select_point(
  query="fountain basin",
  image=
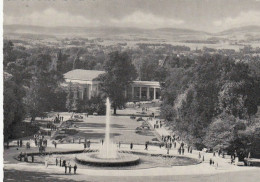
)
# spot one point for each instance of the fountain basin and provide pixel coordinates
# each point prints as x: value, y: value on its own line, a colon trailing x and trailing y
x: 93, y: 159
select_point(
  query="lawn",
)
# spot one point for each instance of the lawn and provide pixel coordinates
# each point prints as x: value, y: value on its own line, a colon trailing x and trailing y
x: 122, y: 129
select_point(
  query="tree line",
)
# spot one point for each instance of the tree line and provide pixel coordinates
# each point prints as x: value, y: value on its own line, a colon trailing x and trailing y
x: 211, y: 101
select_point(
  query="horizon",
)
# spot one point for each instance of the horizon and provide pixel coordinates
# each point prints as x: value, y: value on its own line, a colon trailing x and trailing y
x: 138, y: 28
x: 199, y: 15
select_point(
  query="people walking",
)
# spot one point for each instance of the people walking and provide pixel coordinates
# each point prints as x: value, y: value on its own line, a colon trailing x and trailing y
x: 55, y: 144
x: 65, y: 169
x: 131, y: 145
x: 70, y: 169
x: 146, y: 146
x: 75, y: 168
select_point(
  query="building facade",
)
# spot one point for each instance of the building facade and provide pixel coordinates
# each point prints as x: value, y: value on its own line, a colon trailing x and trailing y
x: 84, y: 82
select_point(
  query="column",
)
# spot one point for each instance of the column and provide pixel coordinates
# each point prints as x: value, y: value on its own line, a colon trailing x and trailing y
x: 148, y: 93
x: 132, y: 92
x: 140, y: 94
x: 90, y: 91
x: 82, y: 97
x: 154, y: 93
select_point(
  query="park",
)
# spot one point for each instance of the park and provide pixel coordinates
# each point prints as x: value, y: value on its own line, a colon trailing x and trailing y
x: 131, y: 91
x: 155, y: 161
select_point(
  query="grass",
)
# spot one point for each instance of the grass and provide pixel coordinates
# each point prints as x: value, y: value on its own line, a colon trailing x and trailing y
x: 122, y: 129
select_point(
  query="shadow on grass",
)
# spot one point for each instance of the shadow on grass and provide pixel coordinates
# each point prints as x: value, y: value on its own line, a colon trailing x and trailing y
x: 99, y: 125
x: 95, y: 135
x: 24, y: 176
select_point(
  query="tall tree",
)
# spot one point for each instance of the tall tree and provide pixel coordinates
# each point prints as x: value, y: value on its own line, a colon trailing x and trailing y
x: 14, y: 108
x: 120, y: 72
x: 43, y: 86
x: 70, y: 96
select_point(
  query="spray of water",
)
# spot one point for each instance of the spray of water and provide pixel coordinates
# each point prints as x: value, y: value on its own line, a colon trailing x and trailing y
x: 108, y: 150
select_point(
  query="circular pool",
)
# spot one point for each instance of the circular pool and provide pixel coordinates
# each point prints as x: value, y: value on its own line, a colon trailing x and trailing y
x: 93, y: 159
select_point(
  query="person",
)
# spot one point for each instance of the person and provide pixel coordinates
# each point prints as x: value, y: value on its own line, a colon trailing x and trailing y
x: 75, y: 168
x: 55, y: 144
x: 203, y: 158
x: 25, y: 157
x: 46, y: 163
x: 60, y: 162
x: 64, y: 163
x: 179, y: 151
x: 70, y: 169
x: 182, y: 144
x: 65, y: 168
x: 32, y: 158
x: 20, y: 156
x: 119, y: 145
x: 214, y: 154
x: 182, y: 150
x: 21, y: 143
x: 57, y: 161
x: 199, y: 155
x: 249, y: 155
x: 146, y: 145
x: 18, y: 143
x: 131, y: 145
x: 174, y: 144
x: 210, y: 161
x: 89, y: 144
x: 102, y: 141
x: 191, y: 150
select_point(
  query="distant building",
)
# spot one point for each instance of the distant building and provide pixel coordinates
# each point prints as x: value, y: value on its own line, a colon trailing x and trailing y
x: 84, y: 81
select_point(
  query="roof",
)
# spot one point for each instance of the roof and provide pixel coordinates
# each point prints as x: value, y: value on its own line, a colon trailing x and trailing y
x: 146, y: 83
x: 84, y: 75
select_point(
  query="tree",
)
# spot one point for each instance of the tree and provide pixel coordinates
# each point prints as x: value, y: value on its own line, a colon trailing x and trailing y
x: 76, y: 102
x: 69, y: 99
x: 120, y: 72
x: 96, y: 104
x: 14, y: 108
x: 43, y: 86
x: 8, y: 52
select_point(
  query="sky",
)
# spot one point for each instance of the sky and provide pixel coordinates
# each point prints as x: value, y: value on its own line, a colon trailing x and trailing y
x: 205, y: 15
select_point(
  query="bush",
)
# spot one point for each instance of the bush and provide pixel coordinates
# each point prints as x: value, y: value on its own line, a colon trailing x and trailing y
x: 95, y: 105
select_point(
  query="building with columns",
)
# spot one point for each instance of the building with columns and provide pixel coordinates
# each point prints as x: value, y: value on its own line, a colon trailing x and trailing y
x: 86, y: 85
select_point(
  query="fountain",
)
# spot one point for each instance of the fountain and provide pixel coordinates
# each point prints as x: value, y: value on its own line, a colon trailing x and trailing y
x: 109, y: 149
x: 108, y: 154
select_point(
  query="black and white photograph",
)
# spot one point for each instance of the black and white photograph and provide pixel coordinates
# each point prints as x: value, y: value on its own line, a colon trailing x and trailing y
x: 130, y: 90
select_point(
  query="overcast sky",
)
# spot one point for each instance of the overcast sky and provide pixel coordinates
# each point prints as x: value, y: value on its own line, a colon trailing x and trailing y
x: 206, y: 15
